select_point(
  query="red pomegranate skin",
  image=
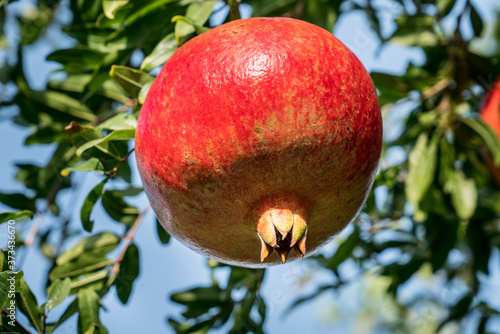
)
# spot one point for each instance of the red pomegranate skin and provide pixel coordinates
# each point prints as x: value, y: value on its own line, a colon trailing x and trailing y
x: 490, y: 114
x: 251, y: 112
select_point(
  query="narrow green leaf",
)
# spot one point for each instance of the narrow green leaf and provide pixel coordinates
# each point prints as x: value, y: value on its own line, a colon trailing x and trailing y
x: 123, y: 134
x: 60, y: 102
x: 445, y: 6
x: 46, y: 134
x: 80, y: 57
x: 88, y: 307
x: 18, y: 201
x: 476, y: 21
x: 415, y: 30
x: 463, y: 195
x: 58, y: 292
x: 91, y: 165
x: 81, y: 265
x: 129, y: 270
x: 162, y: 233
x: 17, y: 216
x: 110, y: 7
x: 9, y: 280
x: 28, y: 305
x: 89, y: 203
x: 70, y: 311
x: 78, y: 82
x: 96, y: 245
x: 81, y: 135
x: 421, y: 169
x: 121, y: 121
x: 161, y: 53
x: 185, y: 28
x: 118, y: 209
x: 197, y: 14
x: 144, y: 92
x: 446, y: 160
x: 488, y: 136
x: 130, y: 79
x: 95, y: 281
x: 209, y: 296
x: 129, y: 191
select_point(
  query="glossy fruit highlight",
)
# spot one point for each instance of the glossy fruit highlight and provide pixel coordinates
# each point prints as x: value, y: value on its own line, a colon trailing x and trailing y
x: 259, y: 137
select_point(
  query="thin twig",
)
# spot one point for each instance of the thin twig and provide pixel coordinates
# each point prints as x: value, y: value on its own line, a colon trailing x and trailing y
x: 439, y: 86
x: 112, y: 172
x: 128, y: 240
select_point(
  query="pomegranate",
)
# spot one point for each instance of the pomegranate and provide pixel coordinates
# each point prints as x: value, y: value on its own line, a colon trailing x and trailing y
x: 490, y: 114
x: 259, y: 136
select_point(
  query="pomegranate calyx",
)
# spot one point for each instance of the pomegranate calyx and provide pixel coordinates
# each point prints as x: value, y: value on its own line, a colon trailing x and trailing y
x: 282, y: 230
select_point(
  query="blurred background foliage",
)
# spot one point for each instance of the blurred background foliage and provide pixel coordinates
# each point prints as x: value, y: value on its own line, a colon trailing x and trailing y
x: 434, y: 211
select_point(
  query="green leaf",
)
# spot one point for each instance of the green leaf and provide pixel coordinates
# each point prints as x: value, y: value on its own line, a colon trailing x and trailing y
x: 203, y: 296
x: 60, y: 102
x: 81, y: 135
x: 118, y: 209
x: 421, y: 169
x: 88, y: 307
x: 7, y: 281
x: 344, y: 251
x: 415, y: 30
x: 123, y: 134
x: 129, y: 270
x: 76, y: 60
x: 95, y: 280
x: 163, y: 235
x: 18, y: 201
x: 121, y: 121
x: 144, y: 93
x: 442, y: 235
x: 476, y: 21
x: 479, y: 242
x: 28, y: 305
x: 70, y: 311
x: 130, y: 79
x: 91, y: 165
x: 96, y: 245
x: 161, y: 53
x: 445, y: 6
x: 400, y: 273
x: 391, y: 88
x: 17, y: 216
x: 463, y: 195
x: 89, y: 204
x: 79, y: 266
x: 129, y: 191
x: 446, y: 160
x: 58, y: 292
x: 110, y: 7
x: 46, y: 134
x: 197, y: 14
x: 78, y: 81
x: 487, y: 134
x: 185, y: 28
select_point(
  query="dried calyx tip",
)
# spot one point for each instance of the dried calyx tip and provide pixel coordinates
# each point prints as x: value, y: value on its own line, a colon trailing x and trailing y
x: 282, y: 230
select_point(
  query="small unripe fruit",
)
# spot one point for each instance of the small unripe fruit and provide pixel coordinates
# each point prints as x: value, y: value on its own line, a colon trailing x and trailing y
x: 259, y: 137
